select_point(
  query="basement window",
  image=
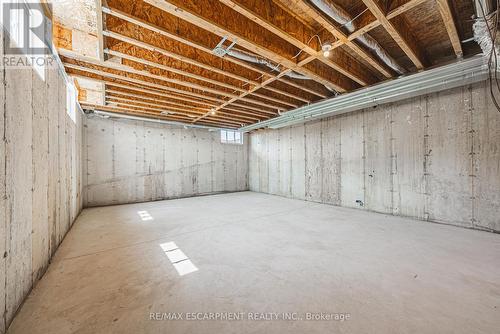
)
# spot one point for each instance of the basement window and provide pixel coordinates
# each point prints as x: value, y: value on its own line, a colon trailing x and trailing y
x: 231, y: 137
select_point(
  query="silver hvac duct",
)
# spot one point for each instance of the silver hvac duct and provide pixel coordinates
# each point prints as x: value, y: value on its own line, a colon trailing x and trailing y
x: 263, y: 61
x: 342, y: 17
x: 107, y: 114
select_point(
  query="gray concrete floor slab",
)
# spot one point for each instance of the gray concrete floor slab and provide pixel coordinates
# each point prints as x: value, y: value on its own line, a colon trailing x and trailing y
x: 260, y: 256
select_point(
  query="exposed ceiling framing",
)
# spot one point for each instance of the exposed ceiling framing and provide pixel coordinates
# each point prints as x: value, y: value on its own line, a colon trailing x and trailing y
x: 155, y: 57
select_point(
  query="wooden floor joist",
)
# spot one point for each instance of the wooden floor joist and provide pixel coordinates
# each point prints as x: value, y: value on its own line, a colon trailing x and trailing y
x: 244, y: 109
x: 400, y: 33
x: 100, y: 28
x: 246, y: 32
x: 161, y: 54
x: 155, y: 115
x: 126, y: 70
x: 282, y: 102
x: 376, y: 23
x: 445, y: 10
x: 120, y: 96
x: 185, y: 40
x: 172, y: 69
x: 279, y: 22
x: 174, y: 99
x: 189, y: 113
x: 87, y: 70
x: 343, y: 39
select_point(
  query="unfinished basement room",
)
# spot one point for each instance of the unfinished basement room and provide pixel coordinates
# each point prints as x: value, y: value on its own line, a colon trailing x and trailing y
x: 250, y: 166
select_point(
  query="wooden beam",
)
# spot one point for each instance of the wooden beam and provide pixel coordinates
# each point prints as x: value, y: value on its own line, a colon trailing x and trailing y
x: 139, y: 81
x: 149, y: 47
x: 173, y: 99
x: 218, y: 117
x: 342, y: 38
x: 224, y: 105
x: 278, y: 104
x: 107, y: 108
x: 127, y: 69
x: 100, y: 29
x: 177, y: 106
x: 155, y: 103
x: 171, y: 69
x: 197, y: 45
x: 404, y: 8
x: 279, y: 22
x: 152, y: 115
x: 399, y: 32
x: 445, y: 10
x: 261, y: 113
x: 215, y: 18
x: 161, y: 108
x: 296, y: 85
x: 167, y: 104
x: 376, y: 23
x: 250, y: 113
x: 162, y: 90
x: 173, y: 55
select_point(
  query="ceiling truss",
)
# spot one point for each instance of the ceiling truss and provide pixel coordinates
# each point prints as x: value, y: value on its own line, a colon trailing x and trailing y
x: 166, y: 67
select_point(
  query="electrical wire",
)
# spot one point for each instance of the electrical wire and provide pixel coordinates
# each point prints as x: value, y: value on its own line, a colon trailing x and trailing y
x: 493, y: 57
x: 351, y: 21
x: 309, y: 41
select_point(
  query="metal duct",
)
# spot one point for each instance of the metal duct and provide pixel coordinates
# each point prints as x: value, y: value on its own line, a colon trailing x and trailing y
x: 263, y: 61
x: 457, y: 74
x: 108, y: 114
x: 342, y: 17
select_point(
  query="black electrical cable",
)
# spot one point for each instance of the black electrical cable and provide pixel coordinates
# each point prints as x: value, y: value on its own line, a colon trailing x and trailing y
x: 495, y: 38
x: 493, y: 54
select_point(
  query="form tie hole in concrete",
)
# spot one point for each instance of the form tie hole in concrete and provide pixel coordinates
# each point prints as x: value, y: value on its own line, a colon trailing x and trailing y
x: 179, y: 260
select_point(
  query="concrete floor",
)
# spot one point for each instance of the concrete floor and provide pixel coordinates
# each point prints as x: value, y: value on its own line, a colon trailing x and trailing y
x: 262, y: 253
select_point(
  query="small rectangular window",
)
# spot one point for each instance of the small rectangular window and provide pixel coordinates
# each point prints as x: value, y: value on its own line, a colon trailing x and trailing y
x: 231, y: 137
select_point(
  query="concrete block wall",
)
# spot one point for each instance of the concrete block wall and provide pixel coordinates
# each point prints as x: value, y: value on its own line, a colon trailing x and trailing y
x: 129, y: 161
x: 434, y: 157
x: 40, y: 178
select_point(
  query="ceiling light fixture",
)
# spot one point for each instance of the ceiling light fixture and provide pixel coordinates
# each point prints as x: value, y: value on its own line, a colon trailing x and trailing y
x: 213, y: 112
x: 327, y: 47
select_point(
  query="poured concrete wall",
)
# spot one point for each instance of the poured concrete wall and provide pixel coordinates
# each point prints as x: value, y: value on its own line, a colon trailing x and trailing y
x: 40, y: 178
x: 434, y: 157
x: 130, y: 161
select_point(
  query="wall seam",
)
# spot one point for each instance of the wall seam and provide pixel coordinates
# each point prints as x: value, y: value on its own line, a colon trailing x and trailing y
x: 306, y: 178
x: 339, y: 164
x: 393, y: 159
x: 364, y: 155
x: 279, y: 161
x: 322, y: 161
x: 212, y: 162
x: 4, y: 87
x: 426, y: 159
x: 33, y: 180
x: 472, y: 158
x: 267, y: 160
x: 290, y: 176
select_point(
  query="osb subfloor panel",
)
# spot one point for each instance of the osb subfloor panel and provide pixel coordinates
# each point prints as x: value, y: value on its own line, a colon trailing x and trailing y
x: 261, y: 253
